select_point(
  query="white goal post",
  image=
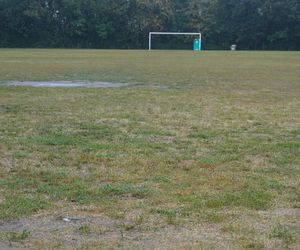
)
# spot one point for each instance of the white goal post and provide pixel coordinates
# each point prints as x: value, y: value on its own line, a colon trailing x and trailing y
x: 173, y: 33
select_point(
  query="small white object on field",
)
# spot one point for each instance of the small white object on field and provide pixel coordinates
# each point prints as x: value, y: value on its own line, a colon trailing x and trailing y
x: 66, y: 219
x: 233, y: 47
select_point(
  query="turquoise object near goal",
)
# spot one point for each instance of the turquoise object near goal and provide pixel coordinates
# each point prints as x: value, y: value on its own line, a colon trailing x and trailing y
x: 197, y: 45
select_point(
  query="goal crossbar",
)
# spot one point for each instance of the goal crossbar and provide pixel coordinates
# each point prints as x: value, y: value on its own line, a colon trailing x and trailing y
x: 172, y: 33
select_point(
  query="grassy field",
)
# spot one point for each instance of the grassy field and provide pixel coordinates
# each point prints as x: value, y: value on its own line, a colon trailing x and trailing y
x: 202, y: 152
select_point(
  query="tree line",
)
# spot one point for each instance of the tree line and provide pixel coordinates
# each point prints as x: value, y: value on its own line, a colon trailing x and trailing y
x: 251, y: 24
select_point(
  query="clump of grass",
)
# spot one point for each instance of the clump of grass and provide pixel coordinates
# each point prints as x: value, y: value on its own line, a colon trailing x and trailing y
x: 10, y: 108
x: 135, y: 223
x: 283, y: 233
x: 169, y: 214
x: 128, y: 188
x: 57, y: 186
x: 84, y: 230
x: 18, y: 237
x: 20, y: 154
x: 212, y: 216
x: 20, y: 205
x: 206, y: 136
x: 255, y: 245
x: 98, y: 131
x: 259, y: 182
x: 165, y: 212
x: 257, y: 200
x: 160, y: 179
x: 55, y: 139
x: 207, y: 160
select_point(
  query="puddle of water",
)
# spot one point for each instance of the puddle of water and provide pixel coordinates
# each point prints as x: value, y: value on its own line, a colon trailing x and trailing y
x: 68, y: 84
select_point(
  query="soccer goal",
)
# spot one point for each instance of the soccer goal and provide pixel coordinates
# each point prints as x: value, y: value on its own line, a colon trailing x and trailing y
x: 197, y: 45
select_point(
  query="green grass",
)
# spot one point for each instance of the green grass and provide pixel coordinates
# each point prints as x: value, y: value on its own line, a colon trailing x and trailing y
x: 15, y: 237
x: 17, y: 205
x: 84, y: 230
x: 201, y: 142
x: 284, y: 233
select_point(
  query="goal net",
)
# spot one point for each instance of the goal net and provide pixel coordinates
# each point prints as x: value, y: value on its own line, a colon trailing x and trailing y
x: 197, y: 43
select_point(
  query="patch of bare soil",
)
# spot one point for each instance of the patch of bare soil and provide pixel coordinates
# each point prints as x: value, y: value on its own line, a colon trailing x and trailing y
x: 65, y: 230
x: 97, y: 231
x: 74, y: 230
x: 281, y: 212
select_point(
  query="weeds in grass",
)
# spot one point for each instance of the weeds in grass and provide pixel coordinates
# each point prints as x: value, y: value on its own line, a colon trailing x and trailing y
x: 135, y: 223
x: 165, y: 212
x: 84, y: 230
x: 249, y: 199
x: 21, y: 205
x: 18, y: 237
x: 136, y: 191
x: 169, y: 214
x: 283, y: 233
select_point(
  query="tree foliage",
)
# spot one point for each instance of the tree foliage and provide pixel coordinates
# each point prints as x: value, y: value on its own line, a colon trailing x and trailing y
x: 251, y: 24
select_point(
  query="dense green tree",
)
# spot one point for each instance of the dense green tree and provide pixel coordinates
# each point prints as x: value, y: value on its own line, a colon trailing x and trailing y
x: 251, y: 24
x: 146, y: 16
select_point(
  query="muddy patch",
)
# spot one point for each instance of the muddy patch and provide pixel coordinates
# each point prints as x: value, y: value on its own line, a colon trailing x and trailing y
x: 68, y: 230
x: 68, y: 84
x: 98, y: 231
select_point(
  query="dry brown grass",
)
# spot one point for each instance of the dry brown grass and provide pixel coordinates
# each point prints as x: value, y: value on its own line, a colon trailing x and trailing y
x: 202, y: 153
